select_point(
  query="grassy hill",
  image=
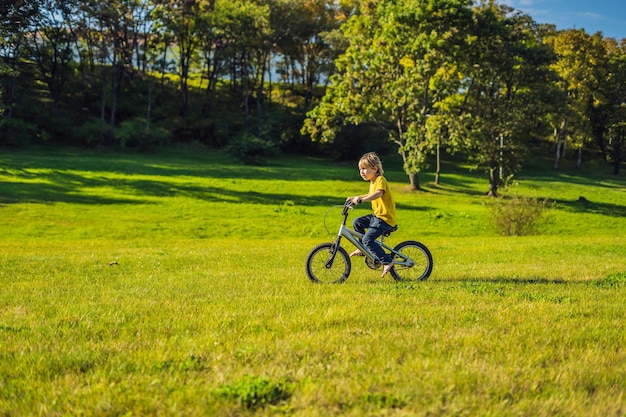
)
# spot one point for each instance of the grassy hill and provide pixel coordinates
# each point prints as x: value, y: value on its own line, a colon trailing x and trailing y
x: 172, y: 283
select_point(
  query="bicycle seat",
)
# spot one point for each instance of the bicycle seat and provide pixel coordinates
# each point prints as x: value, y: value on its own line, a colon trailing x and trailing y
x: 390, y: 231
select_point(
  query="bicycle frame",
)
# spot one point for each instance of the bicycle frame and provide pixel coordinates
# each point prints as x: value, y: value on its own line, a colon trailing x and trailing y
x: 354, y: 237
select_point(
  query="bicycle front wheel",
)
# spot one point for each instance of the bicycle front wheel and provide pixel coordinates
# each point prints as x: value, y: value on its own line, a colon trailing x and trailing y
x: 413, y: 262
x: 319, y: 271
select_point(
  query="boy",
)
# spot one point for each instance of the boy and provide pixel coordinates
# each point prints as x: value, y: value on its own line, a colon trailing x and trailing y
x: 384, y: 217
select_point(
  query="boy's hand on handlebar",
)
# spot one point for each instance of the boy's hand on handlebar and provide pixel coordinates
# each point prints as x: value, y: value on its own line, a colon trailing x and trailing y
x: 354, y: 200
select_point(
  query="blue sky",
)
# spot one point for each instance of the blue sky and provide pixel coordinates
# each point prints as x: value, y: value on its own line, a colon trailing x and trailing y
x: 606, y: 16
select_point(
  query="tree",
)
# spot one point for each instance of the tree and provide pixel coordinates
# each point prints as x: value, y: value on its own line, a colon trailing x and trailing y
x: 180, y: 18
x: 580, y: 68
x: 109, y: 49
x: 244, y: 35
x: 302, y: 42
x: 614, y: 87
x: 212, y: 42
x: 401, y: 61
x: 51, y: 45
x: 507, y: 74
x: 15, y: 20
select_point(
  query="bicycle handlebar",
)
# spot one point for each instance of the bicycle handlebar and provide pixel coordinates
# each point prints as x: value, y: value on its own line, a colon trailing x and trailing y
x: 346, y: 207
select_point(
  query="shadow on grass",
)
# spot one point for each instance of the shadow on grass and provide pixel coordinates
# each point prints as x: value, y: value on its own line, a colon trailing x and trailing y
x: 508, y: 281
x: 89, y: 177
x: 55, y: 176
x: 69, y: 187
x: 454, y: 186
x: 202, y: 164
x: 590, y: 179
x: 46, y: 193
x: 586, y: 206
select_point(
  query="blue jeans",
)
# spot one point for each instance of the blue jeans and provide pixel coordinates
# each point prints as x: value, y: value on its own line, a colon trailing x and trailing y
x: 375, y: 227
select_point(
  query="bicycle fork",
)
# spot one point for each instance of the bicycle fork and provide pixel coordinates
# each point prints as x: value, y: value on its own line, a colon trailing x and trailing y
x: 329, y: 263
x: 348, y: 234
x: 341, y: 233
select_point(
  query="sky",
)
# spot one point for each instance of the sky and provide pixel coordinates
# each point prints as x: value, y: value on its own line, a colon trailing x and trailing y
x: 606, y: 16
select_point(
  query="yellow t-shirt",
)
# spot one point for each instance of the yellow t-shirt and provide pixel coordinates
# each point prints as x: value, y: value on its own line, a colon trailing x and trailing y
x: 384, y: 207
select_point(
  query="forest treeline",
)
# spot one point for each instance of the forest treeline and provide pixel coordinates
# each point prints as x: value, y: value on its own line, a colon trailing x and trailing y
x: 331, y: 76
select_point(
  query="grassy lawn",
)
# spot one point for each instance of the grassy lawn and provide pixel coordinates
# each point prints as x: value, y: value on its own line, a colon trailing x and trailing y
x: 173, y: 283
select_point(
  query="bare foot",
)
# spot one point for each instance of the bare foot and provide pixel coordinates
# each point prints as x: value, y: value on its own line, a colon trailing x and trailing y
x: 387, y: 268
x: 356, y: 253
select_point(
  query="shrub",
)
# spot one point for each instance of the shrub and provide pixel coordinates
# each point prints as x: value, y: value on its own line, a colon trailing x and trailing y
x: 18, y: 132
x: 133, y: 133
x: 516, y: 215
x: 91, y: 132
x: 250, y: 148
x: 254, y: 392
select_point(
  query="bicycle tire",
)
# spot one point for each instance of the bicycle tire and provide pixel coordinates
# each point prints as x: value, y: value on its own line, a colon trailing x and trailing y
x: 422, y: 257
x: 316, y: 268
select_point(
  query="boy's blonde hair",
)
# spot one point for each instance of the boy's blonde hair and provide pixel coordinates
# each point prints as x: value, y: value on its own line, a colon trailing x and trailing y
x: 372, y: 160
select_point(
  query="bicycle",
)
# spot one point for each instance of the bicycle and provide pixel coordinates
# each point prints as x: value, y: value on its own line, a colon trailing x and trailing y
x: 330, y: 263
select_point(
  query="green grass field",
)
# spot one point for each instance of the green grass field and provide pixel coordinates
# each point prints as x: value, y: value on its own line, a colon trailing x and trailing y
x: 173, y: 283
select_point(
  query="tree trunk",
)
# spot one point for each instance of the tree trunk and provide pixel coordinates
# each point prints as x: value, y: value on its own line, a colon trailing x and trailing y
x: 184, y: 87
x: 579, y: 163
x: 246, y: 95
x: 617, y: 150
x: 269, y: 75
x: 560, y: 133
x: 9, y: 108
x: 259, y: 92
x: 493, y: 183
x: 164, y: 68
x: 103, y: 104
x: 415, y: 181
x: 149, y: 109
x: 12, y: 87
x: 437, y: 174
x: 111, y: 133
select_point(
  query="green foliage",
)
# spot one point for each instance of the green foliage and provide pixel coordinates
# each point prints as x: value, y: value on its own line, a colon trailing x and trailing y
x: 18, y: 132
x: 91, y: 131
x: 134, y: 133
x: 517, y: 215
x: 401, y: 61
x: 251, y: 148
x: 617, y: 280
x: 253, y: 392
x: 507, y: 73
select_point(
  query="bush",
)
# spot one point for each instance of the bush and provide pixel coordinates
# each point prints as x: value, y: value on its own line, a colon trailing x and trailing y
x: 250, y: 148
x: 18, y: 132
x: 91, y: 132
x: 133, y: 133
x: 516, y: 215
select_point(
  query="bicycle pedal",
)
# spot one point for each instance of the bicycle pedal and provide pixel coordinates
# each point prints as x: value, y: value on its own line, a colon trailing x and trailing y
x: 372, y: 264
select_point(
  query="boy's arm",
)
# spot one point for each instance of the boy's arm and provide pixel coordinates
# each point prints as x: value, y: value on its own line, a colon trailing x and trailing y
x: 367, y: 197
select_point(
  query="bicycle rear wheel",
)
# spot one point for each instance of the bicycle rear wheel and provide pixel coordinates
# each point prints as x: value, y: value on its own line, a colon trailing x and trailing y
x: 319, y: 272
x: 422, y: 262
